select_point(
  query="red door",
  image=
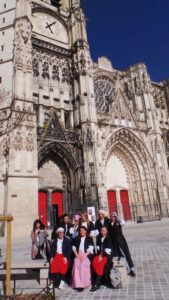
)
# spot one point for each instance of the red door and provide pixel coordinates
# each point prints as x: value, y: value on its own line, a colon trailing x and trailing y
x: 42, y: 207
x: 57, y: 200
x: 125, y: 204
x: 112, y: 202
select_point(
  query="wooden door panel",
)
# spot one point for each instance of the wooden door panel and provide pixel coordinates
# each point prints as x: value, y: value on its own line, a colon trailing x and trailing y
x: 125, y: 204
x: 42, y: 207
x: 57, y: 200
x: 112, y: 202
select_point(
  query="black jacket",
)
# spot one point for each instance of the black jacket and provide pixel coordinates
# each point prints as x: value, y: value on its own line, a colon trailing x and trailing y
x: 88, y: 242
x: 98, y: 224
x: 115, y: 230
x: 119, y: 243
x: 69, y: 225
x: 66, y: 249
x: 90, y: 226
x: 101, y: 246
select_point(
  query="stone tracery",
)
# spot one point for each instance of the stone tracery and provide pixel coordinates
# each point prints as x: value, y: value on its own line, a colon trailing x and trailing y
x: 104, y: 89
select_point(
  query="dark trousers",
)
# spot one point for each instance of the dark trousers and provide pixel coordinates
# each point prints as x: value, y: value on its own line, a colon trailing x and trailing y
x: 105, y: 279
x: 56, y: 278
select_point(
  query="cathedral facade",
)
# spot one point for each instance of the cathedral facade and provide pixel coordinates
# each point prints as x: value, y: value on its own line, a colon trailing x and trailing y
x: 73, y: 133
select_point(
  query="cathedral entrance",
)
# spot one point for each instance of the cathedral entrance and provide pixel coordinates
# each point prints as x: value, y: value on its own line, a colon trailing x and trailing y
x: 128, y: 168
x: 57, y: 177
x: 53, y: 191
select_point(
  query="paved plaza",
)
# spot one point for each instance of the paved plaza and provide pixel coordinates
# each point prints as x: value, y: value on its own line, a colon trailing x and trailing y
x: 149, y: 246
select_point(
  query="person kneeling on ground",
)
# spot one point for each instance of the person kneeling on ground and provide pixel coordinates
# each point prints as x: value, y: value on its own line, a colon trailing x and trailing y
x: 102, y: 262
x: 60, y: 254
x: 83, y: 249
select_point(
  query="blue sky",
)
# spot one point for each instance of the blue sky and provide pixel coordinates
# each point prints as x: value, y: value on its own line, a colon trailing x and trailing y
x: 130, y: 31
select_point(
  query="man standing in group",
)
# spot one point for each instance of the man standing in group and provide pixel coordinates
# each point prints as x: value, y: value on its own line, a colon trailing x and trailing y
x: 66, y: 225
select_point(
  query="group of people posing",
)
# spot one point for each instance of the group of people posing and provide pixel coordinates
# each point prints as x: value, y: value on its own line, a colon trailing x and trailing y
x: 81, y: 254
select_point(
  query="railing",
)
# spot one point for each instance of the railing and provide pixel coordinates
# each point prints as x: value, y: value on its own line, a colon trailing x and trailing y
x: 138, y: 213
x: 8, y: 219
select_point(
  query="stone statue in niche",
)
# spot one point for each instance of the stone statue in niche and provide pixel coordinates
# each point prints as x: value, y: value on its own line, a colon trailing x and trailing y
x: 82, y: 63
x: 55, y: 72
x: 137, y: 84
x: 129, y: 89
x: 35, y: 67
x: 45, y: 70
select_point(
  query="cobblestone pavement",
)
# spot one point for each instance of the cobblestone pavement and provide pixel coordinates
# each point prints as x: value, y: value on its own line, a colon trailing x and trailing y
x: 149, y: 246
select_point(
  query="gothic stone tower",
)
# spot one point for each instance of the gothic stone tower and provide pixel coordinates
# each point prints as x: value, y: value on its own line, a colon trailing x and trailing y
x: 50, y: 165
x: 76, y: 133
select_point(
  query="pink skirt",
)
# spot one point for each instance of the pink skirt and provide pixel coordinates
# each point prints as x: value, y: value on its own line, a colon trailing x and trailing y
x: 81, y: 275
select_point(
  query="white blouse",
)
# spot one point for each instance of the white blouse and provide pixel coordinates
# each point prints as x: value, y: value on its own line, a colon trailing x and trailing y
x: 59, y: 246
x: 102, y: 221
x: 81, y: 247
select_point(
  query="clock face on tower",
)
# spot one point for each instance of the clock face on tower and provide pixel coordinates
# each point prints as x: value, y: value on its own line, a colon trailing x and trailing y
x: 50, y: 27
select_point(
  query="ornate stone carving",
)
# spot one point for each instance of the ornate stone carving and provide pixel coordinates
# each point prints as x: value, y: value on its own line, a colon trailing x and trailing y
x: 76, y: 16
x: 50, y: 66
x: 159, y: 98
x: 92, y: 174
x: 18, y: 140
x: 137, y: 84
x: 54, y: 50
x: 55, y: 72
x: 65, y: 70
x: 23, y: 46
x: 29, y: 145
x: 35, y: 67
x: 129, y: 88
x: 140, y: 83
x: 45, y: 70
x: 5, y: 144
x: 146, y: 83
x: 82, y: 63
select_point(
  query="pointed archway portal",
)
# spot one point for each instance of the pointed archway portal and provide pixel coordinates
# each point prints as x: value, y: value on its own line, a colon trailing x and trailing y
x: 129, y: 166
x: 58, y: 162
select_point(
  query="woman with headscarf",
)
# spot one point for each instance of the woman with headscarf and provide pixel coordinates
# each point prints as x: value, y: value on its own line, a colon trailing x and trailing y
x: 60, y: 258
x: 120, y: 247
x: 83, y: 250
x: 40, y: 243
